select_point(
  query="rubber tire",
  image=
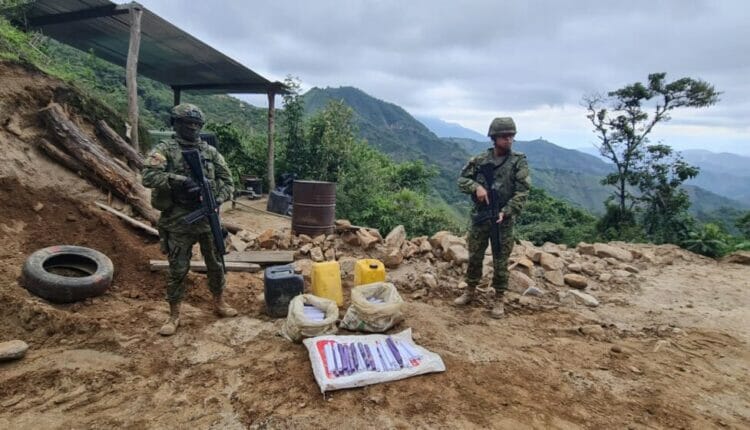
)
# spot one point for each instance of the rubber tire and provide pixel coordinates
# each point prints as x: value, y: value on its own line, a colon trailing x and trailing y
x: 64, y: 289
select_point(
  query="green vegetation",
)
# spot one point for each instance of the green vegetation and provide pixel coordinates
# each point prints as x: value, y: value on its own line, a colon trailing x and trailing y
x: 546, y: 219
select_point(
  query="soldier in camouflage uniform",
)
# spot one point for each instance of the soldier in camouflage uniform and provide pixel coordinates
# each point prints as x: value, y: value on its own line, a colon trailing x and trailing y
x: 175, y: 193
x: 511, y: 182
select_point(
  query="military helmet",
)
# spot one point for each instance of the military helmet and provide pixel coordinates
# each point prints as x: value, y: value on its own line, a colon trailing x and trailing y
x: 502, y: 125
x: 187, y: 111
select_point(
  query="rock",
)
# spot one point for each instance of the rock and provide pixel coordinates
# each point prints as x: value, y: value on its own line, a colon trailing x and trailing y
x: 316, y: 254
x: 590, y: 269
x: 576, y: 281
x: 419, y: 294
x: 246, y: 236
x: 575, y: 267
x: 533, y: 291
x: 605, y: 277
x: 375, y: 233
x: 71, y: 218
x: 603, y: 250
x: 305, y: 239
x: 534, y: 254
x: 347, y: 265
x: 267, y: 239
x: 526, y: 262
x: 621, y: 273
x: 330, y: 254
x: 565, y: 298
x: 552, y: 248
x: 38, y: 206
x: 584, y: 248
x: 305, y: 249
x: 593, y: 330
x: 13, y: 350
x: 450, y: 240
x: 437, y: 239
x: 429, y: 280
x: 587, y: 299
x: 409, y: 249
x: 616, y: 348
x: 457, y: 253
x: 393, y: 258
x: 519, y: 282
x: 555, y: 277
x: 237, y: 243
x: 550, y: 262
x: 396, y: 237
x: 319, y: 239
x: 350, y: 238
x: 343, y: 223
x: 425, y: 246
x: 629, y: 268
x: 739, y: 257
x: 366, y: 238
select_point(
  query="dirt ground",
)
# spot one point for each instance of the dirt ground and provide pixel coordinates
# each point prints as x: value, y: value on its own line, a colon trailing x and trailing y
x: 669, y: 351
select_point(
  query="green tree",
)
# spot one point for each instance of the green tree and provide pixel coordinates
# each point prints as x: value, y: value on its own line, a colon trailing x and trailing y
x: 743, y: 223
x: 622, y: 124
x: 665, y: 204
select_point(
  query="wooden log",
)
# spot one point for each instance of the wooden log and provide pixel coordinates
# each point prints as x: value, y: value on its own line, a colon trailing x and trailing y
x: 134, y: 222
x: 200, y: 266
x: 118, y: 145
x: 94, y: 158
x: 131, y: 71
x: 69, y: 162
x: 261, y: 257
x: 271, y: 112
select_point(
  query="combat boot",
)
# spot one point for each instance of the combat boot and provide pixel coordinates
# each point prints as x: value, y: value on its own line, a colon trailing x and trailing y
x: 170, y: 327
x: 465, y: 298
x: 222, y: 309
x: 498, y: 309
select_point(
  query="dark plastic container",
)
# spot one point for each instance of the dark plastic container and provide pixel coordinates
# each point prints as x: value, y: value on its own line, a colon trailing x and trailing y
x: 281, y: 286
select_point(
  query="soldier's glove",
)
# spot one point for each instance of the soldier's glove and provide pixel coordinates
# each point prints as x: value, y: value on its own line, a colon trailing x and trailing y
x: 190, y: 190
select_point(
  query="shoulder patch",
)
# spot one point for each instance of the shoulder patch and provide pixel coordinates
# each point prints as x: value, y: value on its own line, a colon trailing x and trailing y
x: 155, y: 159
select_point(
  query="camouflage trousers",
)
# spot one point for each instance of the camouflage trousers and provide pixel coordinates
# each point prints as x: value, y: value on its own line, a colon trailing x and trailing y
x: 478, y: 240
x: 180, y: 251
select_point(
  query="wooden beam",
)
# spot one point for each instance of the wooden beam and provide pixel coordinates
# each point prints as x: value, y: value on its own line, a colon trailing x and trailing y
x: 271, y: 114
x: 200, y: 266
x: 177, y: 95
x: 260, y: 257
x: 134, y: 222
x: 118, y: 145
x: 78, y: 15
x: 131, y: 71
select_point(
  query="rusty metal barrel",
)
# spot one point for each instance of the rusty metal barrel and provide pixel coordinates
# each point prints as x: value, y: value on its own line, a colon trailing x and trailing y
x: 313, y: 207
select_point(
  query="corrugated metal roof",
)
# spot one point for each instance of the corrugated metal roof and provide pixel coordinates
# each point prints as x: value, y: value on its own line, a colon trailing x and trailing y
x: 167, y: 54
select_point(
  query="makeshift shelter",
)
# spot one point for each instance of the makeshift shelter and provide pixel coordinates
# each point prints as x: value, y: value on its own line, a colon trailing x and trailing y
x: 133, y: 37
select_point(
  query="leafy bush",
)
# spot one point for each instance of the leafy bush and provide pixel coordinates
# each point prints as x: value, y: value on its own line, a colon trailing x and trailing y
x: 546, y: 219
x: 710, y: 241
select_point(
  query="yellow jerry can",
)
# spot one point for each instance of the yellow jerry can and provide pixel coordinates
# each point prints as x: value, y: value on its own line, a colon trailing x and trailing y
x: 326, y: 281
x: 368, y: 271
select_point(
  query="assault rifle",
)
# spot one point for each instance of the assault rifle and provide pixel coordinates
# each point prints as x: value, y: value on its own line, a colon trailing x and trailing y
x: 490, y: 215
x: 209, y: 208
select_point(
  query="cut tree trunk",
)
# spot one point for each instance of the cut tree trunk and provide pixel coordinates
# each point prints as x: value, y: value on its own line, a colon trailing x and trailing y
x: 94, y: 158
x: 118, y: 145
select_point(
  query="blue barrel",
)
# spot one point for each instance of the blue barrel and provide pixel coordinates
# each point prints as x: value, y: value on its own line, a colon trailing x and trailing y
x: 281, y: 286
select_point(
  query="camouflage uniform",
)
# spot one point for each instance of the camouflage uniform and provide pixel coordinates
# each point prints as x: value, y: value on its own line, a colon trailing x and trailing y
x: 512, y: 184
x: 164, y: 170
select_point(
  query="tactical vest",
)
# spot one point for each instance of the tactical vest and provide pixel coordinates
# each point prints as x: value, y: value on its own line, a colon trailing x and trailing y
x: 162, y: 198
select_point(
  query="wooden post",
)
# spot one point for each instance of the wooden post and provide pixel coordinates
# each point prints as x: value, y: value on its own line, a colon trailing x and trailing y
x: 177, y: 94
x: 131, y: 71
x: 271, y: 113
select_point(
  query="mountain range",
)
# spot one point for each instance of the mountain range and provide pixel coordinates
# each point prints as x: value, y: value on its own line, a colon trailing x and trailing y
x: 565, y: 173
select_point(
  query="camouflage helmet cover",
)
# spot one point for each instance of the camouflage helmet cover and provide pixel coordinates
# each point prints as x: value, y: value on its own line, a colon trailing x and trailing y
x: 502, y: 125
x: 187, y: 111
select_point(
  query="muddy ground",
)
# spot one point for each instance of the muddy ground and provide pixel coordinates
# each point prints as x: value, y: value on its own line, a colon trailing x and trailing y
x: 672, y: 354
x: 669, y: 351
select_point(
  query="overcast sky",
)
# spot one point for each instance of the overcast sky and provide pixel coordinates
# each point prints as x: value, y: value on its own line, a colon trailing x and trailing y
x: 469, y: 61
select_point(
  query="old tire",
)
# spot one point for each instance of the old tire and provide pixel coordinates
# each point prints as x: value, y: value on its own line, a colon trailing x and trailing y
x: 96, y: 268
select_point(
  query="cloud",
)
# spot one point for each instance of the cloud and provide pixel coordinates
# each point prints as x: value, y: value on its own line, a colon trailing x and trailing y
x: 468, y: 61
